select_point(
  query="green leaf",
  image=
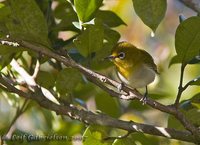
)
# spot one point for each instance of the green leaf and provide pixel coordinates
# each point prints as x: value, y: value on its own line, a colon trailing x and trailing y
x: 91, y: 40
x: 195, y: 100
x: 27, y: 22
x: 86, y: 9
x: 110, y: 18
x: 187, y: 38
x: 174, y: 60
x: 4, y: 11
x: 193, y: 116
x: 67, y: 80
x: 67, y: 15
x: 7, y: 53
x: 45, y: 79
x: 151, y: 12
x: 125, y: 141
x: 111, y: 37
x: 109, y: 106
x: 94, y: 135
x: 174, y: 123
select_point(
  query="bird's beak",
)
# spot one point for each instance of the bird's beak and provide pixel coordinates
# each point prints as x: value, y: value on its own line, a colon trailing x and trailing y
x: 110, y: 57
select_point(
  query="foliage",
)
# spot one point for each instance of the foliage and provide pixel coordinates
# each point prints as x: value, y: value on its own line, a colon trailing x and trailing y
x: 92, y: 32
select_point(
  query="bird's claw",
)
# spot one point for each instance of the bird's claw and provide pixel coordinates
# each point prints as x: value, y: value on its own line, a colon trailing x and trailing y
x: 144, y: 100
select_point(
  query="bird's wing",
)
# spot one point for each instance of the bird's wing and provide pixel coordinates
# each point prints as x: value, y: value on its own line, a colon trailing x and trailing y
x: 148, y: 60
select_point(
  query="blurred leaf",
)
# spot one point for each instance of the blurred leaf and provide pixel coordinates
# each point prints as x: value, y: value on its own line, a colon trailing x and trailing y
x: 13, y: 99
x: 190, y: 108
x: 174, y: 123
x: 86, y: 9
x: 151, y: 12
x: 193, y: 116
x: 187, y: 39
x: 27, y: 22
x: 94, y: 135
x: 124, y: 141
x: 85, y: 91
x: 67, y: 79
x: 45, y: 79
x: 109, y: 104
x: 143, y: 139
x: 110, y: 18
x: 91, y: 39
x: 4, y: 11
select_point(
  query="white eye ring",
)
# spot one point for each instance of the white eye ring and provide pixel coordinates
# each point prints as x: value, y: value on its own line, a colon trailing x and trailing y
x: 121, y: 55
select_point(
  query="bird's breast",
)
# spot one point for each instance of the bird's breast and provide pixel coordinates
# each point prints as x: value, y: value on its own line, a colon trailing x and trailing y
x: 139, y: 77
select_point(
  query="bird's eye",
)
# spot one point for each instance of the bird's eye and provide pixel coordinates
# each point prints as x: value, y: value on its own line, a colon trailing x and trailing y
x: 121, y: 55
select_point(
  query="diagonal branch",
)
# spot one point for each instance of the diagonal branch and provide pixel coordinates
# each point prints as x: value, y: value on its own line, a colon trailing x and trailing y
x: 102, y: 119
x: 95, y: 77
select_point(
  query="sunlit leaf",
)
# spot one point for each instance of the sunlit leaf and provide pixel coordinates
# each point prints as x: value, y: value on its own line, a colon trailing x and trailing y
x: 151, y: 12
x: 86, y: 8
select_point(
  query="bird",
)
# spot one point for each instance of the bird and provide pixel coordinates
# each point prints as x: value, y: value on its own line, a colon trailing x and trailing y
x: 135, y: 67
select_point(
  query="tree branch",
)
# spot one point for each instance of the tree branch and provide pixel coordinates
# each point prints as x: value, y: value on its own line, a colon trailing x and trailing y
x: 102, y: 119
x: 95, y: 78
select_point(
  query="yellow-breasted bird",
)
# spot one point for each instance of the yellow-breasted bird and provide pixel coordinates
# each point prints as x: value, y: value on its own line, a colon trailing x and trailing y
x: 135, y: 67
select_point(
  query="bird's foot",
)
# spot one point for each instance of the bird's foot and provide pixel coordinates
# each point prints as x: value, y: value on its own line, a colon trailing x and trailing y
x: 144, y: 99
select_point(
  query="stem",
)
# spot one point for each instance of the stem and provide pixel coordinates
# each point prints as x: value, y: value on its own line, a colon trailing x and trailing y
x: 180, y: 88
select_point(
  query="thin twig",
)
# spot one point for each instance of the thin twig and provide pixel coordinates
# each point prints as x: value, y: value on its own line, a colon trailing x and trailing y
x: 180, y: 88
